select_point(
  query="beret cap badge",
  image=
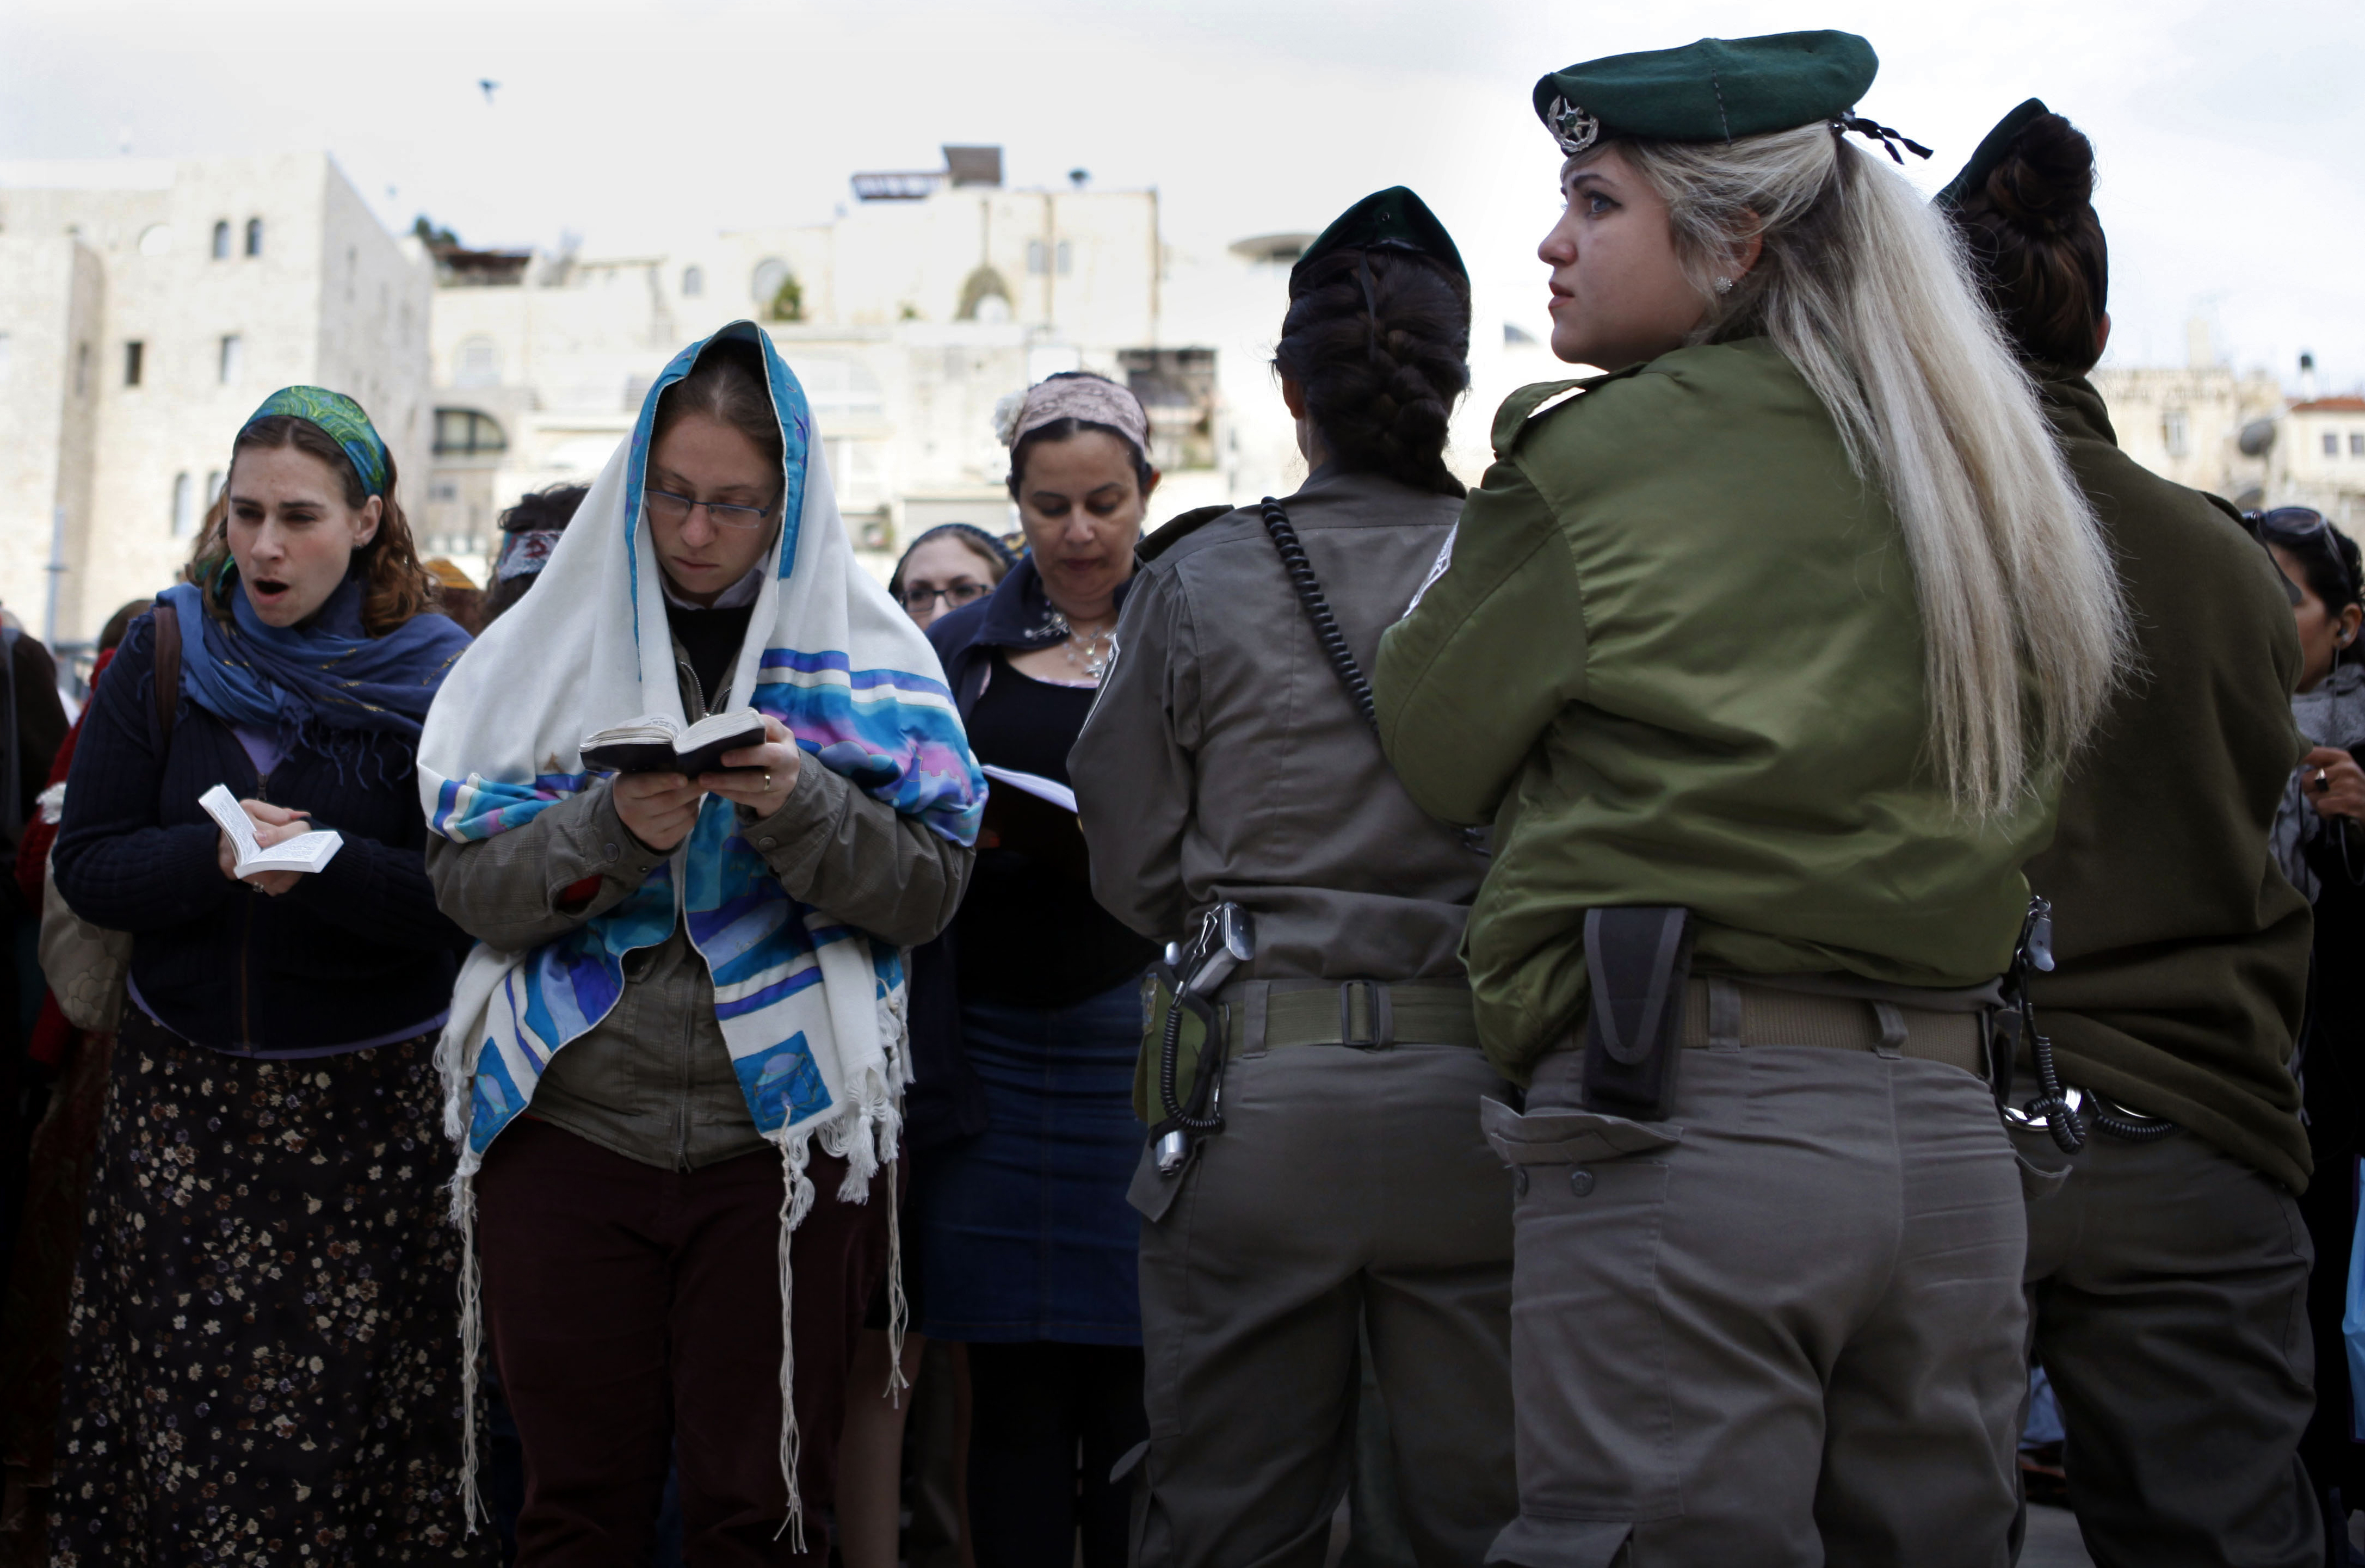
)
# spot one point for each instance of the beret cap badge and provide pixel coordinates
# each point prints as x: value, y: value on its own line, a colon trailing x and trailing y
x: 1574, y: 129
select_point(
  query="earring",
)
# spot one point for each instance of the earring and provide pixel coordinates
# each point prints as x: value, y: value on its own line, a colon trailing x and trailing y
x: 1724, y: 285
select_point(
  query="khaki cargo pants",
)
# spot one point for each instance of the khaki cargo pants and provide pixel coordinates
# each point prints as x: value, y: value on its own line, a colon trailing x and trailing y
x: 1784, y: 1327
x: 1346, y: 1182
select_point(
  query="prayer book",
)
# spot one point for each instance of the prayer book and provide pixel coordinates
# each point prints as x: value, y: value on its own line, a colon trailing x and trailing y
x: 305, y: 852
x: 1037, y: 817
x: 1035, y: 784
x: 657, y: 745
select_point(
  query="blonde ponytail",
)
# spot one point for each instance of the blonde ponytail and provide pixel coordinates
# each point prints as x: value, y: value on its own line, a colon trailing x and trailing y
x: 1868, y: 293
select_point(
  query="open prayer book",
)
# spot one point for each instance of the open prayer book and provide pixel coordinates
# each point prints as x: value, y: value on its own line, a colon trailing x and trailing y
x: 305, y: 852
x: 658, y: 744
x: 1037, y: 817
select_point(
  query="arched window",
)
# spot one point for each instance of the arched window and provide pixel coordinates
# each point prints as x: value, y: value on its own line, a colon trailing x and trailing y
x: 184, y: 506
x: 463, y: 433
x: 255, y: 236
x: 693, y: 282
x: 984, y: 297
x: 221, y: 241
x: 770, y: 273
x: 477, y: 363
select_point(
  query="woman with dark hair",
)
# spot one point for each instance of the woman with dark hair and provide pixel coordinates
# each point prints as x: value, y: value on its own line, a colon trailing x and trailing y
x: 950, y: 565
x: 261, y: 1360
x: 1338, y: 1178
x: 1031, y: 1005
x: 530, y: 531
x: 2166, y: 1277
x: 675, y: 1062
x: 2320, y: 840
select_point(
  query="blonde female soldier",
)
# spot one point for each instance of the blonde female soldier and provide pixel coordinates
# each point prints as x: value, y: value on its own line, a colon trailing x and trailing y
x: 1762, y: 654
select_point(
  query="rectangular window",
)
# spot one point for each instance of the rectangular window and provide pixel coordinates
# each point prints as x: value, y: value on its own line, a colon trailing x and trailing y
x: 82, y: 370
x: 1038, y: 258
x: 134, y: 353
x: 2357, y: 444
x: 1067, y: 255
x: 185, y: 507
x: 2175, y: 430
x: 233, y: 358
x: 213, y: 486
x: 2331, y: 445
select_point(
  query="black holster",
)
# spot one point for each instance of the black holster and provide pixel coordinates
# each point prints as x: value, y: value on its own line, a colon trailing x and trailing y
x: 1638, y: 959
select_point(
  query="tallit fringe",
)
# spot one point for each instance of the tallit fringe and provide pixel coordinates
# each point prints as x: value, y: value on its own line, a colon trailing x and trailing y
x: 471, y: 1345
x: 795, y: 1201
x: 899, y: 1311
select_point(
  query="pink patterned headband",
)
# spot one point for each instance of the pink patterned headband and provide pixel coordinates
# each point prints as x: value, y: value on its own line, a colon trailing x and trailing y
x: 1094, y: 399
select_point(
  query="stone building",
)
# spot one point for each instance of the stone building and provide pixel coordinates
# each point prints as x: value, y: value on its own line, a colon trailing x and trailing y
x: 905, y: 319
x: 146, y: 306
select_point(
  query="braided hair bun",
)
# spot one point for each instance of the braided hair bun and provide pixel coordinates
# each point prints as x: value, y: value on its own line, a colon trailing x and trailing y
x: 2038, y: 246
x: 1379, y: 340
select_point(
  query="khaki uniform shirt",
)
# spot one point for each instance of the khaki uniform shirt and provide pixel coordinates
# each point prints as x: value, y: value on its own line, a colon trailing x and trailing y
x: 1224, y: 761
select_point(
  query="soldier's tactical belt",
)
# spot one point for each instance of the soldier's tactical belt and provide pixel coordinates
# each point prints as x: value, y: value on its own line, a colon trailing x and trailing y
x: 1263, y: 1016
x: 1721, y: 1011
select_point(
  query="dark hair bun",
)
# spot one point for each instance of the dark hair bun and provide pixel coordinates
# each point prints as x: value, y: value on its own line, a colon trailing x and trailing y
x: 2044, y: 264
x: 2047, y: 180
x: 1381, y: 369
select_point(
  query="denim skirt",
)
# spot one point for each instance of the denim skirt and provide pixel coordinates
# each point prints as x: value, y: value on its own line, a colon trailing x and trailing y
x: 1026, y: 1229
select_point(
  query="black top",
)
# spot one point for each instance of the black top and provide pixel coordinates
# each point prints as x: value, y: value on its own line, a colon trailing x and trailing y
x: 711, y: 638
x: 352, y: 953
x: 1031, y: 936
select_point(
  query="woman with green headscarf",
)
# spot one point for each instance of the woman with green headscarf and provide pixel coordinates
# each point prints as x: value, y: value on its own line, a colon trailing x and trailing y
x: 262, y: 1360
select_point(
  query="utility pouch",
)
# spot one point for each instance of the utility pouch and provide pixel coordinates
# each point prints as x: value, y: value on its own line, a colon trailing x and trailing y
x: 1157, y: 996
x: 1638, y: 959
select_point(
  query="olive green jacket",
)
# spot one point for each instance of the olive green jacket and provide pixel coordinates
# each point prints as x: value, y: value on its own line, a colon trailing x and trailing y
x: 1676, y: 659
x: 2182, y: 949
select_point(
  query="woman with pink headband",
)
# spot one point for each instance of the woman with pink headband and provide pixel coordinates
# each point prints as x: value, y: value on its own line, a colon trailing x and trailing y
x: 1024, y: 1143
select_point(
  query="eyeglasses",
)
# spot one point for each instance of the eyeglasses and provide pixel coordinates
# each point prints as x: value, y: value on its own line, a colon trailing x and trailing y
x: 2287, y: 525
x: 671, y: 508
x: 954, y: 597
x: 2300, y: 528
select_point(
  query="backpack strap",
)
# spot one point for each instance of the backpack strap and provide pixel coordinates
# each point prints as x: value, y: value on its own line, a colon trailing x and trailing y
x: 167, y: 623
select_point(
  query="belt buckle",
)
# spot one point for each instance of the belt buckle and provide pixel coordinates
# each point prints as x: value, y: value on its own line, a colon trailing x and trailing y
x: 1375, y: 1008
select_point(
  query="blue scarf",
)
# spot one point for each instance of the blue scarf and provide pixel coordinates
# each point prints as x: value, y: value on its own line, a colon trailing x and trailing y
x: 327, y: 673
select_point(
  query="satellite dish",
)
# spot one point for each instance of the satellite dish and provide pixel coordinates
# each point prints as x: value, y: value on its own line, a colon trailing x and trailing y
x: 2257, y: 439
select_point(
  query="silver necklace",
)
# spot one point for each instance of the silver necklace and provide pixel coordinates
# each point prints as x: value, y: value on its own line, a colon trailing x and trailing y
x: 1086, y: 651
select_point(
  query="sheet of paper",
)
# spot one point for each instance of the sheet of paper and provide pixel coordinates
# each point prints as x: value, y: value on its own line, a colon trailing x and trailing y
x: 305, y: 852
x: 1033, y: 784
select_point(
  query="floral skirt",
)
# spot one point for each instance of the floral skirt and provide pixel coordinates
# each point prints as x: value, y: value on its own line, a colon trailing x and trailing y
x: 264, y: 1360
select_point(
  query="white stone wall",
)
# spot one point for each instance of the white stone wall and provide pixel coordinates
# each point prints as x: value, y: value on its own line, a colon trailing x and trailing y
x: 328, y: 298
x: 53, y: 294
x: 2186, y: 424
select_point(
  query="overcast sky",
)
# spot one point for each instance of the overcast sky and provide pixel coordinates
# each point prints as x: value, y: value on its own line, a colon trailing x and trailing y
x: 2231, y: 135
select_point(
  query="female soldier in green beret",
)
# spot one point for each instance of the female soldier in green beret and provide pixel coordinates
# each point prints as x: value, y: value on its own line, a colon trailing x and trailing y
x: 1762, y: 654
x: 1230, y: 763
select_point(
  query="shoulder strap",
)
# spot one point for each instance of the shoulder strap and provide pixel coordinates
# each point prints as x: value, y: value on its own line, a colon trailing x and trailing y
x: 1177, y: 528
x: 167, y: 673
x: 1310, y: 599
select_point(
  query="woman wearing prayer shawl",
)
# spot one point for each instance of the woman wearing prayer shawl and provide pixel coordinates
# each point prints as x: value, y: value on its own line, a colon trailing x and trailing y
x: 260, y: 1363
x: 693, y: 980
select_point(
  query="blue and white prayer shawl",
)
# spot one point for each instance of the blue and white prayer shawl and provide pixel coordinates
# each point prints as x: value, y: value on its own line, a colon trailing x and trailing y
x: 811, y: 1010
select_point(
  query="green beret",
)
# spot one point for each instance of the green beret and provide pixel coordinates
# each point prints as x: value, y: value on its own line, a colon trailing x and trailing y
x: 1993, y: 149
x: 1714, y: 90
x: 1394, y: 217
